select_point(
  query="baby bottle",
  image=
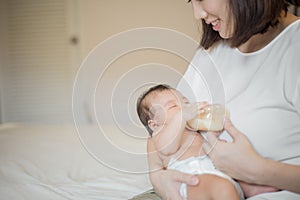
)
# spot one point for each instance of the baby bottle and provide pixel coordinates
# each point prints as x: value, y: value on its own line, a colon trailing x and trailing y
x: 210, y: 118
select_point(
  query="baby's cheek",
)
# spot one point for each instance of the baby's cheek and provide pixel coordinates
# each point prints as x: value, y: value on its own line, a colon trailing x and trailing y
x: 160, y: 116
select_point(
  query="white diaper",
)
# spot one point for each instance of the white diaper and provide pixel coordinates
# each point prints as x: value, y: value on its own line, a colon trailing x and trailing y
x: 199, y: 165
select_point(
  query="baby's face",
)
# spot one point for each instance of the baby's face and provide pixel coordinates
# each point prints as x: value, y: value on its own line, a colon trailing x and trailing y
x: 164, y: 104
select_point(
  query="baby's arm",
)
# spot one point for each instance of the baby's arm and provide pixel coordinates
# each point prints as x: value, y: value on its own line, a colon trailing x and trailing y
x: 167, y: 137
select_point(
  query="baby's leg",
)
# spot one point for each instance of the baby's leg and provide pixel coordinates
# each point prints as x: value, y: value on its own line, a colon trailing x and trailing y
x: 212, y: 187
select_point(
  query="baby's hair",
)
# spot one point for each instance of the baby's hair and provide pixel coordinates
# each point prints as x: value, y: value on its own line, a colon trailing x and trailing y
x: 142, y: 107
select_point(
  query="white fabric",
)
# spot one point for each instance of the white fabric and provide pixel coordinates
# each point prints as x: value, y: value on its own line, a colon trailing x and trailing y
x: 261, y: 91
x: 49, y: 162
x: 199, y: 165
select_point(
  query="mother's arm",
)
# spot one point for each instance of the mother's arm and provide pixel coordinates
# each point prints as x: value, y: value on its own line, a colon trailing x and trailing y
x: 166, y: 183
x: 239, y: 160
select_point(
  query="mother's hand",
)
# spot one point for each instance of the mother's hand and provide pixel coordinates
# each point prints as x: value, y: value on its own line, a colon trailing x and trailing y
x: 239, y: 160
x: 168, y: 183
x: 236, y: 158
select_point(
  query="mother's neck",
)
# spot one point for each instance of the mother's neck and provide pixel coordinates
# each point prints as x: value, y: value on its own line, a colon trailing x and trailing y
x: 259, y: 41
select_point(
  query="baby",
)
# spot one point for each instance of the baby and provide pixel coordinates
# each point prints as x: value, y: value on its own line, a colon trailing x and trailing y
x: 162, y: 110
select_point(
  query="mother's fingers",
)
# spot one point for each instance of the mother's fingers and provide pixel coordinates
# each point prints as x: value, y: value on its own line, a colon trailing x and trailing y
x: 210, y: 142
x: 231, y: 129
x: 189, y: 179
x: 211, y: 137
x: 206, y: 148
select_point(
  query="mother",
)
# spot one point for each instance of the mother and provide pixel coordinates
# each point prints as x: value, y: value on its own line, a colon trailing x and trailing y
x: 254, y: 46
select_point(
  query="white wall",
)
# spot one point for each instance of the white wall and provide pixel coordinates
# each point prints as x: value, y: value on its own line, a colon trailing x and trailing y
x: 102, y: 19
x: 93, y: 22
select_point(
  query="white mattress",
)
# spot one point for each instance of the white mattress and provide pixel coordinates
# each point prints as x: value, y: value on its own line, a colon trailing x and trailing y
x: 51, y: 162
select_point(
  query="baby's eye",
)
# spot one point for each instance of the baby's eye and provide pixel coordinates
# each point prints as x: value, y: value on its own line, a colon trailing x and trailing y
x: 173, y: 106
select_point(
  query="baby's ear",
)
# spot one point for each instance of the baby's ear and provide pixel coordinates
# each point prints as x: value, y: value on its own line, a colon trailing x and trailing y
x: 152, y: 124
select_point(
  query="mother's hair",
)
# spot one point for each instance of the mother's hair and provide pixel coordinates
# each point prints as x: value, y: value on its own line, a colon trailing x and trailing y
x: 294, y: 2
x: 249, y: 18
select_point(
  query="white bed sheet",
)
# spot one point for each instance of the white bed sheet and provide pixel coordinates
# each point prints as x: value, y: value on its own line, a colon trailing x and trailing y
x: 49, y: 162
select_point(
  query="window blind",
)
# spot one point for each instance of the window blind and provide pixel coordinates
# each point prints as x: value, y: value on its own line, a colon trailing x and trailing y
x: 37, y: 75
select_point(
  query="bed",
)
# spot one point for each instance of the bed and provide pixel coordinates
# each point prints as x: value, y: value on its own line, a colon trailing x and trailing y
x: 70, y: 162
